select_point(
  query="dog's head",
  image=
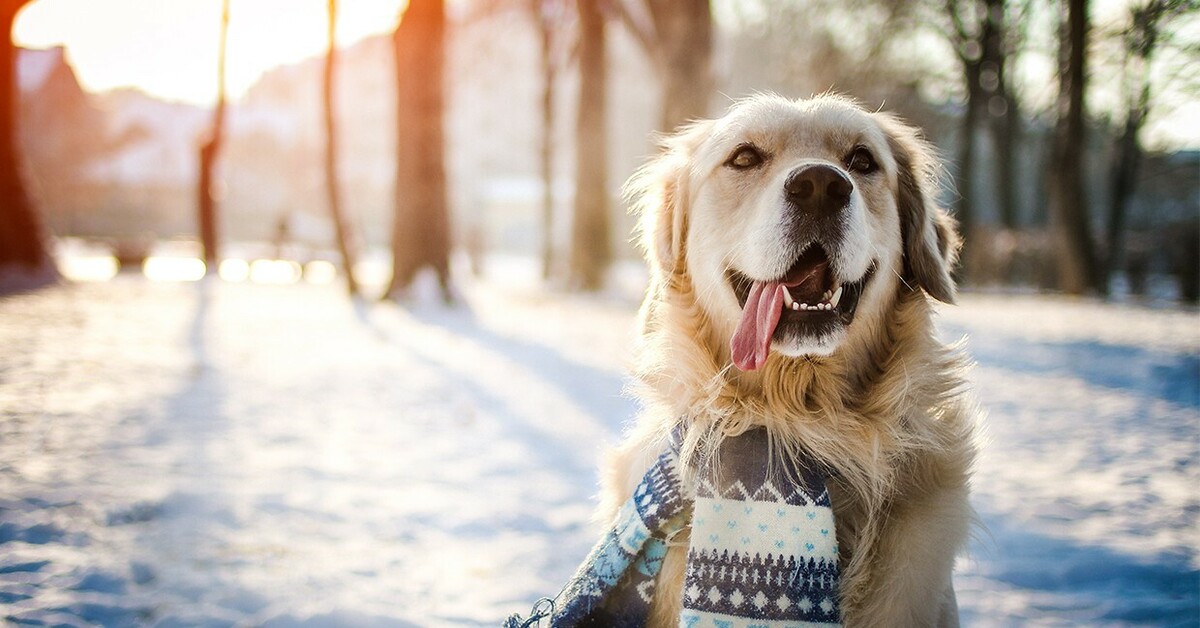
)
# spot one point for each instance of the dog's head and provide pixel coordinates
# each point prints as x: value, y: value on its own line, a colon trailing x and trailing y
x: 795, y: 223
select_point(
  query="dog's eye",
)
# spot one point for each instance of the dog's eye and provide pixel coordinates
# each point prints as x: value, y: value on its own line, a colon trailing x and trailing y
x: 862, y: 161
x: 745, y: 156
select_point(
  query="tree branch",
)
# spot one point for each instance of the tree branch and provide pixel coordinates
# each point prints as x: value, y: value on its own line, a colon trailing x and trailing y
x: 642, y: 30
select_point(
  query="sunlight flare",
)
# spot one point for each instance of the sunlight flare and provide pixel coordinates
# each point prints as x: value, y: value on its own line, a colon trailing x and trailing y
x: 173, y: 269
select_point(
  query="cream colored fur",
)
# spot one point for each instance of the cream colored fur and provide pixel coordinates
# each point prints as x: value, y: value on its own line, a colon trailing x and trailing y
x: 883, y: 408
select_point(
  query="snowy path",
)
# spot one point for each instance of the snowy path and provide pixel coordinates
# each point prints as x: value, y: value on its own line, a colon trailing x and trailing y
x: 174, y: 454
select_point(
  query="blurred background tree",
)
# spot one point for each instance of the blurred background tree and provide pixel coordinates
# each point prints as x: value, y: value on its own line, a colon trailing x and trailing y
x: 1139, y: 43
x: 210, y: 149
x: 677, y: 39
x: 554, y: 21
x: 1077, y: 265
x: 421, y: 227
x: 591, y: 237
x: 332, y: 180
x: 23, y: 249
x: 979, y: 33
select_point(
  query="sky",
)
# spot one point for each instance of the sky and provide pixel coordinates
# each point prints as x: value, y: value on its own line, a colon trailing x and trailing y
x: 168, y: 48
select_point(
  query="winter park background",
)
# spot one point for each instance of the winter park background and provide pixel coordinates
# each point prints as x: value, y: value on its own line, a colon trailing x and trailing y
x: 239, y: 443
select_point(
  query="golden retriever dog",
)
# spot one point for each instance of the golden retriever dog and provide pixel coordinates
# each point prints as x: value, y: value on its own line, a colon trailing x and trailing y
x: 794, y: 247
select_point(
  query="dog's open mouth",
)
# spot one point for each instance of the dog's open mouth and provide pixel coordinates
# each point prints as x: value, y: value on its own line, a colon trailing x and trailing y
x: 808, y: 300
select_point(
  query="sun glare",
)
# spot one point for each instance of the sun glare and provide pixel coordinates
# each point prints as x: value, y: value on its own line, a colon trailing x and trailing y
x: 168, y: 48
x: 173, y: 269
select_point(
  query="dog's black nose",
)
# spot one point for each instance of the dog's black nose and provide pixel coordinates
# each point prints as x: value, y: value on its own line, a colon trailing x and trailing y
x: 818, y: 189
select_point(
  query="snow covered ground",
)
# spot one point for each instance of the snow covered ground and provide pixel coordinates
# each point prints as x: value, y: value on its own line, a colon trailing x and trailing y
x: 215, y: 454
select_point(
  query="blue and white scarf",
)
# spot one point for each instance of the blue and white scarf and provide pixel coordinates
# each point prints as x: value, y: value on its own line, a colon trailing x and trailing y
x: 762, y: 552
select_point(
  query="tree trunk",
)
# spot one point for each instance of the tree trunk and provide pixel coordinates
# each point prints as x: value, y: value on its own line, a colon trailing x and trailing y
x: 332, y: 187
x: 1003, y: 113
x: 421, y: 229
x: 22, y: 240
x: 1141, y: 42
x: 977, y: 31
x: 1006, y: 134
x: 544, y: 18
x: 591, y: 247
x: 685, y: 38
x: 967, y: 31
x: 965, y: 207
x: 1077, y: 259
x: 965, y: 181
x: 210, y: 149
x: 1124, y: 175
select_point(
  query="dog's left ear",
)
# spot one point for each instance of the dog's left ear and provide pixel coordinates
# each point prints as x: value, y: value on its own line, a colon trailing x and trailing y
x: 931, y: 241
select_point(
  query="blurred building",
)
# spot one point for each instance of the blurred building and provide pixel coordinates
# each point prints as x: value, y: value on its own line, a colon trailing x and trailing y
x: 115, y: 165
x: 275, y: 166
x: 61, y: 131
x: 148, y: 174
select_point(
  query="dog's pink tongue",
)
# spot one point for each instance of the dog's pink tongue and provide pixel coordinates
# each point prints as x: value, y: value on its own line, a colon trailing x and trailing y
x: 752, y: 338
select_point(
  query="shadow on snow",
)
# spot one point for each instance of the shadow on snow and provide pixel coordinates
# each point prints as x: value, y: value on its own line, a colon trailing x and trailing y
x: 1072, y: 581
x: 1170, y: 377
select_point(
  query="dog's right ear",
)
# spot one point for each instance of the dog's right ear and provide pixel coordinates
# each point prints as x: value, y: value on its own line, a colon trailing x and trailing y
x: 659, y: 192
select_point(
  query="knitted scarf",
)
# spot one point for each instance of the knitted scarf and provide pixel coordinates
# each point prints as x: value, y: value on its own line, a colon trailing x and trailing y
x: 762, y: 552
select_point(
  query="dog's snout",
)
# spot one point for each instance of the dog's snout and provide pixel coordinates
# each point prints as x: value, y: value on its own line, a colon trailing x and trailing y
x: 818, y: 189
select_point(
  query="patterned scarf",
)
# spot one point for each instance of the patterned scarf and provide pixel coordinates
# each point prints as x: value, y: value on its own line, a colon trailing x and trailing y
x: 762, y: 553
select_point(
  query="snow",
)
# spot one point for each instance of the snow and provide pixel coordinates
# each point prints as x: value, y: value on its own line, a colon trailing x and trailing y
x: 216, y: 453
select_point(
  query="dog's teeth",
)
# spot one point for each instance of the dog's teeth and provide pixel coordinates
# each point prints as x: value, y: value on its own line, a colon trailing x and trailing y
x: 804, y: 306
x: 837, y: 297
x: 787, y: 298
x: 795, y: 306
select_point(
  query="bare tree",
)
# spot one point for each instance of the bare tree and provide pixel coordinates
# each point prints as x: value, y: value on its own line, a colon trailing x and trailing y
x: 591, y: 245
x: 332, y: 187
x: 421, y: 228
x: 550, y: 17
x: 978, y: 34
x: 1140, y: 41
x: 677, y: 37
x: 210, y: 148
x: 22, y: 240
x: 1077, y: 268
x: 1003, y: 106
